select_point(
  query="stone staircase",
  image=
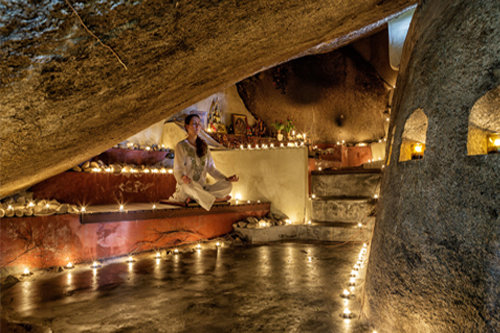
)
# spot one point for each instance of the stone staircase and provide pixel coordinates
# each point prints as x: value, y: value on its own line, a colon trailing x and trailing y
x: 342, y: 209
x: 345, y: 201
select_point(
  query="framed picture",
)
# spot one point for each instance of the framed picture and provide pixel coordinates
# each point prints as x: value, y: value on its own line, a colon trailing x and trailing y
x: 239, y: 123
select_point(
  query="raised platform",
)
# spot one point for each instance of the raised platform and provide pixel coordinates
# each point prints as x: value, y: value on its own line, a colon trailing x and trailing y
x: 40, y: 242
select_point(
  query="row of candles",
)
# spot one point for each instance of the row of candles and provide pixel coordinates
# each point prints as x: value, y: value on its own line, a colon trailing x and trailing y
x: 348, y: 293
x: 130, y: 258
x: 272, y: 146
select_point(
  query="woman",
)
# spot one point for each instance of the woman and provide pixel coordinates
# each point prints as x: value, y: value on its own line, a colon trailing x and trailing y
x: 192, y: 162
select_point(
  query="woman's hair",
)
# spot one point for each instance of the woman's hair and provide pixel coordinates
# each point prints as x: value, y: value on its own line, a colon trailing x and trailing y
x: 201, y: 146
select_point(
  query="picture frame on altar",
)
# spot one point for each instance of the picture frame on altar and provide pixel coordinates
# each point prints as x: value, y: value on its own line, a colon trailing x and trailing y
x: 239, y: 122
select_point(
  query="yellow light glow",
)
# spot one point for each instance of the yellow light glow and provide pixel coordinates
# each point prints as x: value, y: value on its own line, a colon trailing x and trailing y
x: 304, y: 135
x: 148, y: 148
x: 95, y: 264
x: 237, y: 196
x: 26, y: 271
x: 496, y: 142
x: 313, y: 196
x: 158, y: 255
x: 154, y: 170
x: 83, y: 209
x: 354, y: 273
x: 96, y: 169
x: 309, y: 259
x: 258, y: 201
x: 163, y: 170
x: 364, y: 245
x: 271, y: 145
x: 320, y: 168
x: 352, y: 281
x: 217, y: 244
x: 170, y: 171
x: 360, y: 225
x: 375, y: 196
x: 262, y: 224
x: 345, y: 293
x: 356, y: 267
x: 242, y: 147
x: 130, y: 259
x: 198, y: 246
x: 309, y: 222
x: 418, y: 148
x: 288, y: 221
x: 132, y: 170
x: 347, y: 312
x: 146, y: 170
x: 493, y: 143
x: 282, y: 145
x: 121, y: 208
x: 154, y: 206
x: 248, y: 201
x: 69, y: 265
x: 31, y: 204
x: 9, y: 207
x: 249, y: 146
x: 176, y: 251
x: 47, y: 205
x: 124, y: 170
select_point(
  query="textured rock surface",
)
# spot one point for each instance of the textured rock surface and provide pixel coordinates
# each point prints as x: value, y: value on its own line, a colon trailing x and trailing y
x: 65, y: 98
x: 333, y: 97
x: 345, y: 210
x: 435, y: 254
x: 345, y: 184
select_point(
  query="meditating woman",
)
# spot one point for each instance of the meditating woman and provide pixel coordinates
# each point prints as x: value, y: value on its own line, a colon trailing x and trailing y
x: 192, y: 162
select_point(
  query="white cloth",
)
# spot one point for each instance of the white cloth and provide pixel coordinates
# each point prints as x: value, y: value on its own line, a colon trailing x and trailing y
x: 187, y: 163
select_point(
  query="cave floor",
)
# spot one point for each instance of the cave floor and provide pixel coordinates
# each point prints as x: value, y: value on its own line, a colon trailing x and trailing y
x: 275, y: 287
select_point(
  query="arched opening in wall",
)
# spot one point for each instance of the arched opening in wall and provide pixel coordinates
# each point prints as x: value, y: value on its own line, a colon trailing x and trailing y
x: 484, y: 125
x: 413, y: 138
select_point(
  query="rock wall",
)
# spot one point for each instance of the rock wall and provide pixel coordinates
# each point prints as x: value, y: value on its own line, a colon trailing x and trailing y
x: 332, y: 97
x: 65, y: 97
x: 435, y: 255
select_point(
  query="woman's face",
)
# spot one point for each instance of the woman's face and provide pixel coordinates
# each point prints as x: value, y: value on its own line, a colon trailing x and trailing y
x: 194, y: 126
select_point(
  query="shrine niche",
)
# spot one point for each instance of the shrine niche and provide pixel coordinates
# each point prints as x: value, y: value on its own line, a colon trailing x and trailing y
x: 483, y: 136
x: 413, y: 138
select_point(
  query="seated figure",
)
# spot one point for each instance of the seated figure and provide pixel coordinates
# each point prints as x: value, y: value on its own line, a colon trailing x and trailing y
x: 192, y: 162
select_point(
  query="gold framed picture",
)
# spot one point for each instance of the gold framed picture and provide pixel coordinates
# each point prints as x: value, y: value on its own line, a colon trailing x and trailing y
x: 239, y: 123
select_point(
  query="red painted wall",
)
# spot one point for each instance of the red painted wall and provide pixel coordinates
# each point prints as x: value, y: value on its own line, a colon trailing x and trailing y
x: 39, y: 242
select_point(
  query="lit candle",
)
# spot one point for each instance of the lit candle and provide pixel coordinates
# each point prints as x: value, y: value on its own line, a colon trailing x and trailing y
x: 31, y: 204
x: 347, y: 313
x: 217, y: 244
x: 158, y: 255
x: 170, y: 171
x: 176, y: 251
x: 26, y: 271
x: 345, y: 293
x: 163, y: 170
x: 154, y: 206
x: 148, y: 148
x: 493, y: 143
x: 241, y: 147
x: 375, y: 196
x: 313, y: 196
x: 288, y: 221
x: 309, y: 222
x: 130, y: 259
x: 121, y: 208
x: 69, y: 265
x: 83, y: 209
x: 360, y: 225
x: 95, y: 264
x: 198, y: 246
x: 417, y: 152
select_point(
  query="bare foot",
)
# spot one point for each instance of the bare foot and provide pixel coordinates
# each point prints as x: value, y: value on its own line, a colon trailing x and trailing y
x: 226, y: 198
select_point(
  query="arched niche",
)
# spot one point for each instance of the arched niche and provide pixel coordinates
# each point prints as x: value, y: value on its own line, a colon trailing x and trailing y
x: 484, y: 124
x: 414, y: 135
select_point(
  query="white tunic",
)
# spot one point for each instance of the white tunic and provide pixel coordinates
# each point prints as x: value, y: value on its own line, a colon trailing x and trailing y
x: 187, y: 163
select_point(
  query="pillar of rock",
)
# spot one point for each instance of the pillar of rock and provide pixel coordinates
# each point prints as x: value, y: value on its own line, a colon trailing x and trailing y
x: 434, y: 263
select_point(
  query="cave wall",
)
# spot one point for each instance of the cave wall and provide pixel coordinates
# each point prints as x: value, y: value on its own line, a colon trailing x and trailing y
x: 65, y: 97
x: 435, y: 254
x: 332, y: 97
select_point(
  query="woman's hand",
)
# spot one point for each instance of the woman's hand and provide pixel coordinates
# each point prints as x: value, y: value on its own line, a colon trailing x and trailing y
x: 186, y: 180
x: 232, y: 178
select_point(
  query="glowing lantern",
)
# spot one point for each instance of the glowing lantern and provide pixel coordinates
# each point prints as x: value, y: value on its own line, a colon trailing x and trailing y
x: 493, y: 143
x: 417, y: 151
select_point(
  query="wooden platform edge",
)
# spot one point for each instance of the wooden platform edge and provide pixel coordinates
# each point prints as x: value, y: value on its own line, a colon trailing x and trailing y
x: 136, y: 215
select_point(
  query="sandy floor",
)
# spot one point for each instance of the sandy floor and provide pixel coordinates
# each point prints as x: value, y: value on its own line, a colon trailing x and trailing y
x: 279, y: 287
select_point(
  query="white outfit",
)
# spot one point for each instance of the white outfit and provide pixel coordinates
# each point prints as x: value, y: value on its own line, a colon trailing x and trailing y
x: 187, y: 163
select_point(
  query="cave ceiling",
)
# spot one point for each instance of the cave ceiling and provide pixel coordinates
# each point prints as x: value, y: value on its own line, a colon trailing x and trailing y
x: 69, y: 92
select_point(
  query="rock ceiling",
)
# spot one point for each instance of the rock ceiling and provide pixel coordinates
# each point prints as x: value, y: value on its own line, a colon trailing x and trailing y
x: 66, y: 97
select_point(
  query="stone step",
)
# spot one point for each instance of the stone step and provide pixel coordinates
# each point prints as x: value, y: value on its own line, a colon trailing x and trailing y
x: 315, y: 231
x: 345, y: 183
x: 331, y: 209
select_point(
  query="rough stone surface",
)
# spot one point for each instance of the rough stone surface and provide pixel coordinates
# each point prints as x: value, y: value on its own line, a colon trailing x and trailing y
x: 345, y: 185
x: 346, y: 210
x: 309, y: 233
x: 66, y: 98
x: 333, y: 97
x: 435, y: 262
